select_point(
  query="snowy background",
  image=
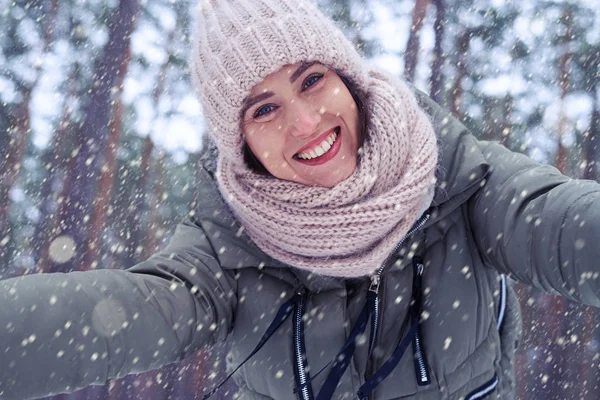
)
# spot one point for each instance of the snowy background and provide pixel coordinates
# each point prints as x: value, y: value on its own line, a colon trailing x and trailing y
x: 100, y: 135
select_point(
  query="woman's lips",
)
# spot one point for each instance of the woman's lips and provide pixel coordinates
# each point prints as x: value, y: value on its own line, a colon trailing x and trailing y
x: 332, y: 152
x: 312, y: 145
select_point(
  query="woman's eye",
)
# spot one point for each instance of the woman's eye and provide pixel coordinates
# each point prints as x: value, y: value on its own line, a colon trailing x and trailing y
x: 264, y: 110
x: 311, y: 80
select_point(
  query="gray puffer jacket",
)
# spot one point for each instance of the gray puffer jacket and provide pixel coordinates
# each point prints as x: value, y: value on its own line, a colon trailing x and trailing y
x: 494, y: 212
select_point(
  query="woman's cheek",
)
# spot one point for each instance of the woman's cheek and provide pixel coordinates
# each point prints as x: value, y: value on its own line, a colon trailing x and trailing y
x: 268, y: 157
x: 249, y: 132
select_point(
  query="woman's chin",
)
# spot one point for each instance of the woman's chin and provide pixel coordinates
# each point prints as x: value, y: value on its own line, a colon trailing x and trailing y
x: 327, y: 175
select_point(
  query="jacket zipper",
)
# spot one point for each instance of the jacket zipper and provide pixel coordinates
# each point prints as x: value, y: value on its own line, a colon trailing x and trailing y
x: 298, y: 313
x: 418, y: 225
x: 376, y: 280
x: 420, y: 359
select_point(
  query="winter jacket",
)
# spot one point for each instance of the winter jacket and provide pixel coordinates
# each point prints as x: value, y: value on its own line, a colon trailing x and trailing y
x: 494, y: 212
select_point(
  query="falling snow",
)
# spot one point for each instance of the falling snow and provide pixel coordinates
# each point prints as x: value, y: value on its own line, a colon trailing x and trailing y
x: 77, y: 198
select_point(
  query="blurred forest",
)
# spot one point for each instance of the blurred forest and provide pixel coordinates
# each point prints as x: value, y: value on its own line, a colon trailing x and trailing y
x: 101, y: 135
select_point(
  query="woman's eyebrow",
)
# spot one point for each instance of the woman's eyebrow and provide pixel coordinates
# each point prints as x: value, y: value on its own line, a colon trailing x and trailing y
x: 303, y: 67
x: 249, y: 102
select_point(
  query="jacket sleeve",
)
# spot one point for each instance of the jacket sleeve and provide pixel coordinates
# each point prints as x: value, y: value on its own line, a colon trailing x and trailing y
x: 61, y: 332
x: 539, y: 226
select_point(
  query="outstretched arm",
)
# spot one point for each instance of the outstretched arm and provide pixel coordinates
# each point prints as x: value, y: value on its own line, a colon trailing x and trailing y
x: 62, y: 332
x: 538, y: 225
x: 531, y: 222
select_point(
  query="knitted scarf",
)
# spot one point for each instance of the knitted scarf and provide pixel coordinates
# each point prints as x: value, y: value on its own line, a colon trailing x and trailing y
x: 350, y: 229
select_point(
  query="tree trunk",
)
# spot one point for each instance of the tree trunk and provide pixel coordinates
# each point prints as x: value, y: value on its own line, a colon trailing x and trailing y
x: 107, y: 174
x: 456, y: 93
x: 561, y: 158
x: 506, y: 124
x: 55, y: 162
x: 591, y: 139
x: 105, y: 189
x: 411, y: 56
x: 93, y: 135
x: 15, y: 142
x: 114, y: 389
x: 588, y: 370
x: 437, y: 91
x: 139, y: 207
x: 49, y: 23
x: 562, y: 154
x: 138, y: 204
x: 151, y: 244
x: 559, y: 313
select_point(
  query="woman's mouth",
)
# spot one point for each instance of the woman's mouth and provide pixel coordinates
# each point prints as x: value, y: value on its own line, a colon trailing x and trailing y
x: 323, y: 152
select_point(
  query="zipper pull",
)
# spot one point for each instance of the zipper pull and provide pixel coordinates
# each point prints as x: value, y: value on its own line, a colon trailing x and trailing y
x: 420, y: 269
x: 375, y: 281
x: 301, y: 291
x: 418, y: 263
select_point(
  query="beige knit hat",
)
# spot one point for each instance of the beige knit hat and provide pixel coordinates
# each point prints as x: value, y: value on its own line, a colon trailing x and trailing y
x: 239, y: 42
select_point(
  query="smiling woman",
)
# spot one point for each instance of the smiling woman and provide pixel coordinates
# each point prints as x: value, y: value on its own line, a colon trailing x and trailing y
x: 302, y: 123
x: 373, y: 248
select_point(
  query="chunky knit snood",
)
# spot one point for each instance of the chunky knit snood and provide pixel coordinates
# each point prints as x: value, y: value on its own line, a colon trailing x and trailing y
x: 350, y: 229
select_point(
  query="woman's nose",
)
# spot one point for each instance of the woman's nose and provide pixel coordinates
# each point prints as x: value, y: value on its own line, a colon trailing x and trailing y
x: 304, y: 118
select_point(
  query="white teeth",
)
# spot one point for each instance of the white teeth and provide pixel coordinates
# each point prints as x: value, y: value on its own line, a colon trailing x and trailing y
x: 320, y: 149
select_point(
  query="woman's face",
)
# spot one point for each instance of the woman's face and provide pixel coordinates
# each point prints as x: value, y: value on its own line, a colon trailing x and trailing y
x: 301, y: 122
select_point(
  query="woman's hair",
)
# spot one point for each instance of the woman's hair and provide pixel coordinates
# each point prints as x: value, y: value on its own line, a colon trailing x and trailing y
x: 360, y: 99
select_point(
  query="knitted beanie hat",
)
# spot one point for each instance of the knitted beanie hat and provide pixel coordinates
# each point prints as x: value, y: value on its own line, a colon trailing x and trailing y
x: 239, y: 42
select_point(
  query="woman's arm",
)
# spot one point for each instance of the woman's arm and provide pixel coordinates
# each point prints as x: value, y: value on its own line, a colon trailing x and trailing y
x: 62, y: 332
x: 538, y: 225
x: 530, y: 221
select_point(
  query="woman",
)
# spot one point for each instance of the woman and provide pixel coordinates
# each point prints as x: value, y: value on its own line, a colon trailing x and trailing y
x: 351, y: 242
